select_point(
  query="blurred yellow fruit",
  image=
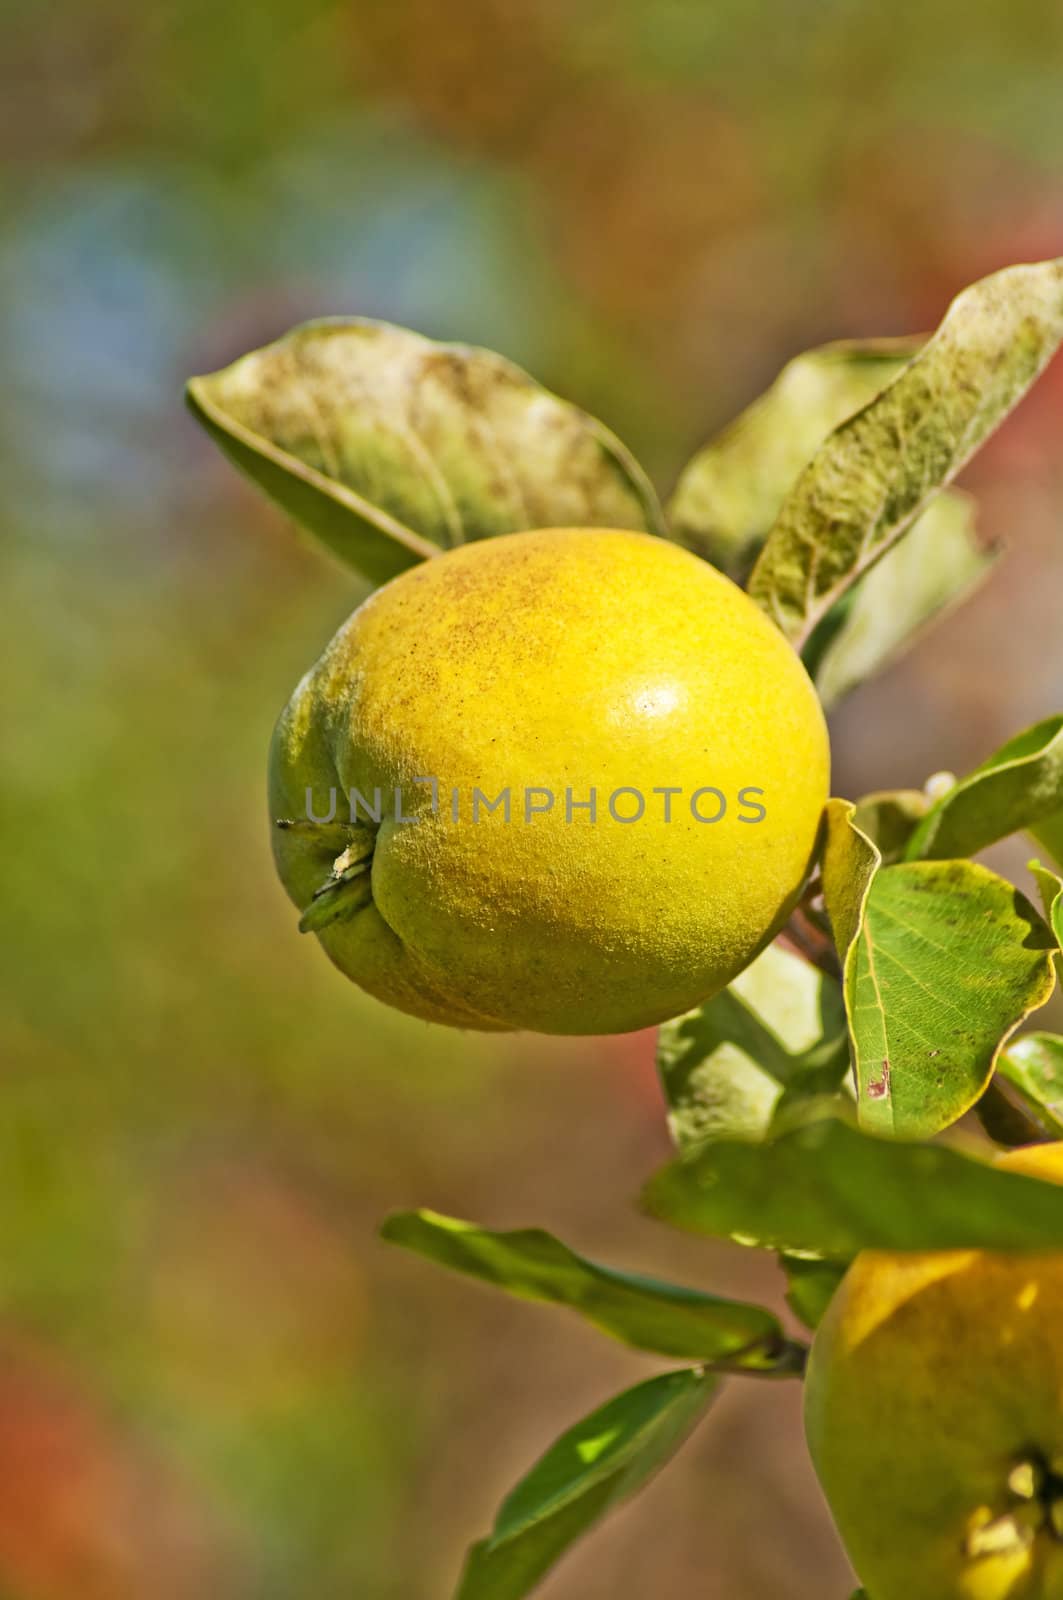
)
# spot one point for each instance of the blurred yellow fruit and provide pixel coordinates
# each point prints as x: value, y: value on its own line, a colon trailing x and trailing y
x: 934, y: 1413
x: 535, y: 673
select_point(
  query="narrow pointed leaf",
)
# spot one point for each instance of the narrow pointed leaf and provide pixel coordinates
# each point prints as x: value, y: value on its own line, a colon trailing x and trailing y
x: 664, y: 1318
x: 391, y: 447
x: 1018, y: 787
x: 1033, y: 1065
x: 729, y: 494
x: 827, y: 1187
x: 602, y: 1461
x: 878, y: 471
x: 725, y: 1066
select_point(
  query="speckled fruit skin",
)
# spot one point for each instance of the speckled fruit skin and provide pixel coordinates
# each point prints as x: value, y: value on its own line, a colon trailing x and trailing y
x: 931, y: 1377
x: 559, y: 658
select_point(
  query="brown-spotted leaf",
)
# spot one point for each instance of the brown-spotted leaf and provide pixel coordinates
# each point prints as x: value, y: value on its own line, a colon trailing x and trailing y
x: 879, y: 470
x: 948, y: 961
x: 391, y: 447
x: 941, y: 962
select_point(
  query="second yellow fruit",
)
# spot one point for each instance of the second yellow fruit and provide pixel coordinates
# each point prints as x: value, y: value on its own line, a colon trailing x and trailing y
x: 934, y: 1413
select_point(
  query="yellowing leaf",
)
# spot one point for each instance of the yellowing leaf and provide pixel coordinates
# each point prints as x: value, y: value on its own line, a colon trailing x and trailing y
x: 879, y: 470
x: 391, y: 447
x: 729, y: 494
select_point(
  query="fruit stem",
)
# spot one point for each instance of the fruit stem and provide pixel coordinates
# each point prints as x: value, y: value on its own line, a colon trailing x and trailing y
x: 773, y: 1357
x: 808, y: 931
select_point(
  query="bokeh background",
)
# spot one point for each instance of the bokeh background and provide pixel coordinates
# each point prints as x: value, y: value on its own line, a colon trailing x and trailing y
x: 213, y: 1379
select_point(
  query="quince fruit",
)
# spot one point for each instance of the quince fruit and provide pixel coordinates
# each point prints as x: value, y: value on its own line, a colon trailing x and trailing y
x: 934, y: 1415
x: 567, y: 780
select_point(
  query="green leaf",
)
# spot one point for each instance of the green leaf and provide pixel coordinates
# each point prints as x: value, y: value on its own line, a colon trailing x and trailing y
x: 826, y: 1187
x: 1033, y: 1065
x: 850, y: 861
x: 390, y: 447
x: 597, y: 1464
x: 877, y: 472
x: 950, y: 961
x: 729, y: 494
x: 726, y: 1066
x: 888, y: 819
x: 664, y: 1318
x: 1034, y: 1107
x: 1050, y: 888
x: 1049, y: 835
x: 1022, y: 784
x: 942, y: 960
x: 940, y: 562
x: 811, y: 1285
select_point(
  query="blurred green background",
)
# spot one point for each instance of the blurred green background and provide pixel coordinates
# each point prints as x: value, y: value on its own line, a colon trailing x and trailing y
x: 213, y: 1379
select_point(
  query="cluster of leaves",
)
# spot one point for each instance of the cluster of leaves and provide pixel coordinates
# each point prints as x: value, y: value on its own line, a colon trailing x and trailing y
x: 807, y: 1100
